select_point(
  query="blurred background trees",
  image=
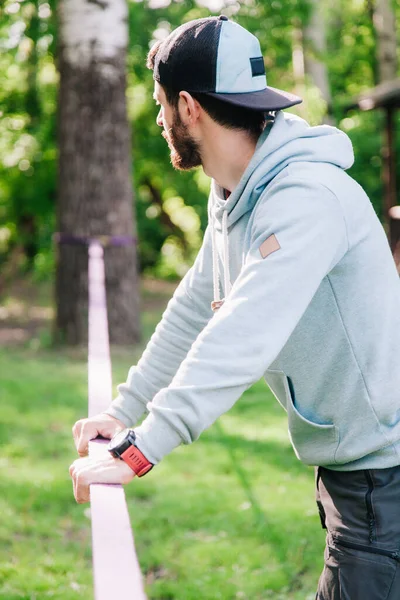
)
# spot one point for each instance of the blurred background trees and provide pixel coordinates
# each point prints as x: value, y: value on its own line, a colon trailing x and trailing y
x: 327, y: 51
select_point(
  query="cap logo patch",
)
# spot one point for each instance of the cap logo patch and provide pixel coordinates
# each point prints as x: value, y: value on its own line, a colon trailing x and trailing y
x: 257, y: 66
x: 269, y: 245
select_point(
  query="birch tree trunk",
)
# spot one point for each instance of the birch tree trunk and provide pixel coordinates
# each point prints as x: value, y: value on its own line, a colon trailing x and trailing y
x: 385, y: 27
x: 95, y: 183
x: 315, y: 48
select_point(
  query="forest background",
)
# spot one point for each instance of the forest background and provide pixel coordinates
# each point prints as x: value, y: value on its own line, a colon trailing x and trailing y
x: 327, y: 52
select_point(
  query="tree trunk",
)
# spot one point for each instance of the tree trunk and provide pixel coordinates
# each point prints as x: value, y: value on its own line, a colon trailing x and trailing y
x: 374, y: 65
x: 298, y: 64
x: 385, y: 26
x: 95, y: 183
x: 26, y: 220
x: 315, y: 48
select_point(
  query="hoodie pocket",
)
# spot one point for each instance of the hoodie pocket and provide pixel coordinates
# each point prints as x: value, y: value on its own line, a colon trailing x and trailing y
x: 314, y: 443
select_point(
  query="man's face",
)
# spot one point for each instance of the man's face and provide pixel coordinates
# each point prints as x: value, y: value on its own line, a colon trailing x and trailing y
x: 185, y: 151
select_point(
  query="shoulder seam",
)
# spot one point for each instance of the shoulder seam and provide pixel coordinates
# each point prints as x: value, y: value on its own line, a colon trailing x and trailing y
x: 332, y: 193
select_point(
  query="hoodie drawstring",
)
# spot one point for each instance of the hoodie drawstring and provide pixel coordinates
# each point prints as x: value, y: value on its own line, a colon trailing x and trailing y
x: 227, y: 276
x: 217, y: 302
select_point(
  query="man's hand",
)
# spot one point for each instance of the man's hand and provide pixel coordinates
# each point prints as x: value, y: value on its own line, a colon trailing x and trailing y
x: 85, y: 471
x: 85, y: 430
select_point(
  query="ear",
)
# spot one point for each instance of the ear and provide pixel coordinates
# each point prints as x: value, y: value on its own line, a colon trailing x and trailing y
x: 189, y: 108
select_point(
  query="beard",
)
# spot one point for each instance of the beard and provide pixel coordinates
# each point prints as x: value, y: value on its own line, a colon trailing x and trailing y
x: 185, y: 151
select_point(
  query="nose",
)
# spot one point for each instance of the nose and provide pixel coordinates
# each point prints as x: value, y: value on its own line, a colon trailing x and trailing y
x: 159, y: 119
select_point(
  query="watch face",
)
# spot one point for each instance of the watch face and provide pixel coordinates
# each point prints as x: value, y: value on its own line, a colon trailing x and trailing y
x: 119, y: 439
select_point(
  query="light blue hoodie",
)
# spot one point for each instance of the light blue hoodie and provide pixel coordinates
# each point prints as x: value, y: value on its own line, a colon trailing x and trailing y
x: 312, y: 303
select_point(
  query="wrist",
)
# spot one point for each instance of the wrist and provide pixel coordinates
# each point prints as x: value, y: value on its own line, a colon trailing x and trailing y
x: 123, y: 446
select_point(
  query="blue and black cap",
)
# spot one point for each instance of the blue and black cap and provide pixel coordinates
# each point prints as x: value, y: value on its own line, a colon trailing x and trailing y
x: 218, y: 57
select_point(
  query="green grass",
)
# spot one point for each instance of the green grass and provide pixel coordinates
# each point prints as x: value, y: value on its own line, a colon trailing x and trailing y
x: 231, y: 516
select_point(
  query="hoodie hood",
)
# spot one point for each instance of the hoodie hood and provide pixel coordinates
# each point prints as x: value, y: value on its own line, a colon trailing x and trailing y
x: 289, y: 139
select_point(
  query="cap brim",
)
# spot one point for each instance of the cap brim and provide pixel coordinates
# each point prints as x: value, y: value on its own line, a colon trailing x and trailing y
x: 268, y: 99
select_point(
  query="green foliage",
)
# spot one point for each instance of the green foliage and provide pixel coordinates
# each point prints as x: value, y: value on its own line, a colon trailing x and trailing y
x: 27, y: 128
x: 169, y: 232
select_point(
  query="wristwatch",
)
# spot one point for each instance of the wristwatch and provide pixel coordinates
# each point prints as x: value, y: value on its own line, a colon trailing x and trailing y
x: 123, y: 446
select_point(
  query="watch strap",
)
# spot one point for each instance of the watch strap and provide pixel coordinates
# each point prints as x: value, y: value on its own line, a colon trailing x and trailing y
x: 137, y: 461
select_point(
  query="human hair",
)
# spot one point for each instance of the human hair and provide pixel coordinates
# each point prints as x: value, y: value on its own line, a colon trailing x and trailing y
x: 222, y: 112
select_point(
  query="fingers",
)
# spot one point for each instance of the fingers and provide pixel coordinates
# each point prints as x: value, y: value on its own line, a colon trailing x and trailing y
x: 86, y: 471
x: 85, y: 430
x: 79, y: 471
x: 83, y: 442
x: 76, y: 431
x: 76, y: 434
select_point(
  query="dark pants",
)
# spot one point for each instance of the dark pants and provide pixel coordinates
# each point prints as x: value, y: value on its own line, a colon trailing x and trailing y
x: 361, y: 512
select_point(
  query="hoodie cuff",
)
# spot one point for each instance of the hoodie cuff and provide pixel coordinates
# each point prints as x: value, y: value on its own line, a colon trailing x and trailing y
x: 127, y: 412
x: 155, y: 438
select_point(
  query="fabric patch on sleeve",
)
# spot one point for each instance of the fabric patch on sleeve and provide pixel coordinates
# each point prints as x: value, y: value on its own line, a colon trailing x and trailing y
x: 269, y: 245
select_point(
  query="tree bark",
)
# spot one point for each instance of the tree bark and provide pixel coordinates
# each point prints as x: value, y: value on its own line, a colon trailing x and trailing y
x: 371, y: 13
x: 385, y: 27
x: 95, y: 184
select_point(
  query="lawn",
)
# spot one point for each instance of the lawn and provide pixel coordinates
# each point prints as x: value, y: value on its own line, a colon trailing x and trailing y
x: 232, y: 516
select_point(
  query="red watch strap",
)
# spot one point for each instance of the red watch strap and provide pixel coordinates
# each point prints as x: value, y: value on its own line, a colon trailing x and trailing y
x: 137, y: 461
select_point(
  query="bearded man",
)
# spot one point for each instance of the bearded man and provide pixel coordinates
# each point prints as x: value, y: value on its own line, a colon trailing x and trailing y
x: 294, y: 282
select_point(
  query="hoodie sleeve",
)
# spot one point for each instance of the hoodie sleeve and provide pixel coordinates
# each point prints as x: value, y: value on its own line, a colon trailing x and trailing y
x: 248, y: 332
x: 187, y: 313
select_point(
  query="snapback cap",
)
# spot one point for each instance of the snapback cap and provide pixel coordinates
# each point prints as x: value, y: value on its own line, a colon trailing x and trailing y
x: 218, y: 57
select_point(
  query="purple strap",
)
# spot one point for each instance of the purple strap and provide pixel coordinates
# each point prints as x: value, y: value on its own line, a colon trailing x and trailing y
x: 86, y: 240
x: 116, y: 570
